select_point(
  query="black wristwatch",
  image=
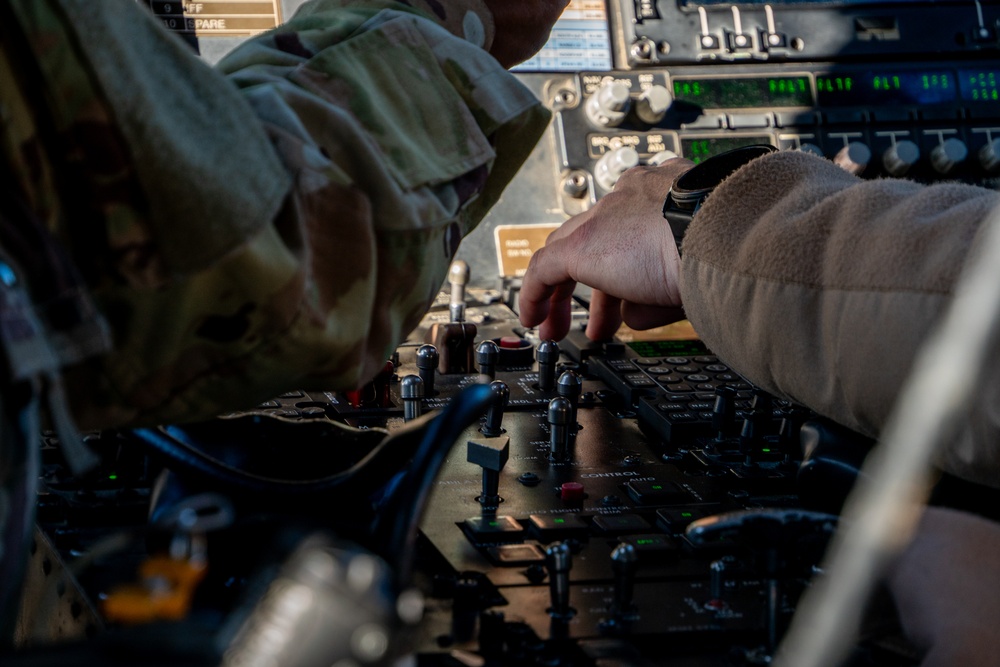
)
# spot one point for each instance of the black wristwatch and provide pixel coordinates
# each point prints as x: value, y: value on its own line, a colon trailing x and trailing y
x: 690, y: 190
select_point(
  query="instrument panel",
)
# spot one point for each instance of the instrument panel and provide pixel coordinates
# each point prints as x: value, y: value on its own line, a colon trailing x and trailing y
x: 634, y: 502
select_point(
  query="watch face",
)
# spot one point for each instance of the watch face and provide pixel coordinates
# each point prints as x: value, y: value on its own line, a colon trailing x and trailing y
x: 694, y: 185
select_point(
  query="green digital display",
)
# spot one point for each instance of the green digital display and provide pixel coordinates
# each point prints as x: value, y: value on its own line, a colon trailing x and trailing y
x: 744, y: 93
x: 697, y: 150
x: 979, y: 85
x: 882, y: 88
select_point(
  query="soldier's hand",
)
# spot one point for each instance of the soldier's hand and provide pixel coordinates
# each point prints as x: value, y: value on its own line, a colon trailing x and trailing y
x: 623, y: 248
x: 945, y: 585
x: 522, y: 26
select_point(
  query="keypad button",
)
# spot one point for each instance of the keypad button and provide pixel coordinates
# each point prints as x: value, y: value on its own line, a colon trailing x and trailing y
x: 638, y: 380
x: 511, y: 555
x: 656, y: 547
x: 552, y: 527
x: 675, y: 520
x: 618, y: 524
x: 677, y: 361
x: 657, y: 492
x: 494, y: 528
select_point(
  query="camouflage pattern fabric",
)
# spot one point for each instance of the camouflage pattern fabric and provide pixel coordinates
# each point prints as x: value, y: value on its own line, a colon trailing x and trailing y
x: 370, y: 136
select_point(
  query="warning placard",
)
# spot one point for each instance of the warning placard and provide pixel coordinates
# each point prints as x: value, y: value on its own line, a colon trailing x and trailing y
x: 517, y: 243
x: 218, y: 17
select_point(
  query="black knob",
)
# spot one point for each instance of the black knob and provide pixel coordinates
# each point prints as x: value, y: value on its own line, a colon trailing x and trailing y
x: 763, y: 403
x: 570, y: 386
x: 559, y: 561
x: 411, y: 390
x: 724, y: 411
x: 756, y: 424
x: 560, y: 418
x: 491, y: 455
x: 750, y: 437
x: 427, y: 361
x: 487, y: 355
x: 493, y: 427
x: 624, y: 563
x: 548, y: 358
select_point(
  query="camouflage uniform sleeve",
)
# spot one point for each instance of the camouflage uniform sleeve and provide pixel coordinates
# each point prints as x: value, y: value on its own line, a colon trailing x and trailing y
x: 398, y: 134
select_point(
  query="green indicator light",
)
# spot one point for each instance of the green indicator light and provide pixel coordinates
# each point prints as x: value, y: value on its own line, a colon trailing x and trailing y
x: 837, y: 83
x: 494, y: 524
x: 766, y: 450
x: 892, y: 83
x: 686, y: 515
x: 558, y: 520
x: 687, y: 89
x: 657, y: 487
x: 642, y: 543
x: 112, y: 476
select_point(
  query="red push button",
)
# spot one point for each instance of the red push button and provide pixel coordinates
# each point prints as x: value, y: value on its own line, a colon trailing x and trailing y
x: 511, y: 342
x: 571, y: 491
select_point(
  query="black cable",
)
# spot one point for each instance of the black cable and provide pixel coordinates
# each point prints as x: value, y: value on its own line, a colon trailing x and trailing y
x: 181, y: 451
x: 397, y: 521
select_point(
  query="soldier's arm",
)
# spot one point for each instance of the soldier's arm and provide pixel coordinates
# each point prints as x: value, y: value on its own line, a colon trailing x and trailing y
x: 395, y: 131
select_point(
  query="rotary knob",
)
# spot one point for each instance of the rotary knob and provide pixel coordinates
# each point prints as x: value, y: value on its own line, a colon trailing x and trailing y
x: 609, y: 105
x: 989, y: 155
x: 653, y: 104
x: 948, y: 154
x: 613, y: 164
x: 899, y: 158
x: 853, y: 157
x: 661, y: 157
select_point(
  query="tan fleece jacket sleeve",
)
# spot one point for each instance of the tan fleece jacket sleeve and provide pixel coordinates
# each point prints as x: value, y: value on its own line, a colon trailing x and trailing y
x: 820, y: 287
